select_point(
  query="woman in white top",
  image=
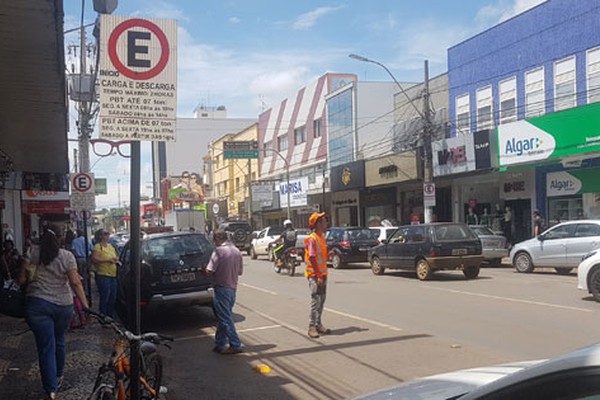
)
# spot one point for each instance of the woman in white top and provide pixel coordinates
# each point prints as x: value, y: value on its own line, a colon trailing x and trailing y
x: 51, y: 273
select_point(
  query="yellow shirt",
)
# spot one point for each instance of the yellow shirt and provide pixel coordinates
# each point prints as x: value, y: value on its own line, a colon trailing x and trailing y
x: 106, y: 267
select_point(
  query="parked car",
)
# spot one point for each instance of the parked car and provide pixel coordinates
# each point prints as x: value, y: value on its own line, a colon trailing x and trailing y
x: 560, y: 247
x: 494, y: 247
x: 426, y: 248
x: 588, y: 274
x: 383, y: 232
x: 118, y: 240
x: 301, y: 234
x: 574, y: 375
x: 349, y: 244
x: 171, y: 271
x: 259, y: 246
x: 240, y: 233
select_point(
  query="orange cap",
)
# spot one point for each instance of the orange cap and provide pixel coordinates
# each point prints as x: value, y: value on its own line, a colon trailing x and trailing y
x: 314, y: 217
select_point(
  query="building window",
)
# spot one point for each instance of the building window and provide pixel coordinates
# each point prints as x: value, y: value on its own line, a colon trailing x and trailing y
x: 237, y: 184
x: 508, y: 100
x: 564, y: 84
x: 217, y: 162
x: 484, y: 108
x: 300, y: 135
x: 463, y: 114
x: 535, y: 98
x: 282, y: 142
x: 593, y: 75
x: 317, y: 128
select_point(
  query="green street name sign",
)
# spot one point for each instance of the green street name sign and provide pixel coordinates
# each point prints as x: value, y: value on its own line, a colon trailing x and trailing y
x: 561, y: 134
x: 240, y: 149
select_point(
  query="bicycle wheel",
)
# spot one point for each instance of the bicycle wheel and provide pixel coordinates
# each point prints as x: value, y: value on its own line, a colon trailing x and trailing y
x: 103, y: 392
x: 152, y: 373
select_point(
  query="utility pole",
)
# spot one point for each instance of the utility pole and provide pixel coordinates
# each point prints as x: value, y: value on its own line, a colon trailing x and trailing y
x: 425, y: 116
x: 427, y: 132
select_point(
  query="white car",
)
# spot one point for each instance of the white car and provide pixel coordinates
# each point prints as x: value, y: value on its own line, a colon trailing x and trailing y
x: 560, y: 247
x: 588, y: 274
x: 571, y: 376
x: 260, y: 244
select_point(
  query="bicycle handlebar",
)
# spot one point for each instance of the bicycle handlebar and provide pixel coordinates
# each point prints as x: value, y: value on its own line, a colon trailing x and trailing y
x: 153, y: 337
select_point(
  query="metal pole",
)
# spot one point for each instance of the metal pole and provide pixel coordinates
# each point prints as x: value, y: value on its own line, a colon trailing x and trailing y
x: 250, y: 191
x: 135, y: 267
x: 427, y: 164
x: 287, y: 177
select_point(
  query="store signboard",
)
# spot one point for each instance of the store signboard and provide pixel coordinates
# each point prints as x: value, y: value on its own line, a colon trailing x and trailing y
x: 298, y: 190
x: 453, y: 155
x: 565, y: 183
x: 556, y: 135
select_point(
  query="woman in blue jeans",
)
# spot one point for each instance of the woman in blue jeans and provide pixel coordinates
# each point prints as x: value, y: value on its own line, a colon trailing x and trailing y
x: 51, y: 273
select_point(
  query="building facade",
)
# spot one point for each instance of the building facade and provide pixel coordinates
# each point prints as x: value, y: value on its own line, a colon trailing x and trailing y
x: 531, y: 79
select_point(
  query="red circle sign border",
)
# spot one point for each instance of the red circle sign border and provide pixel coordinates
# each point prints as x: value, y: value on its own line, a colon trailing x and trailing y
x: 428, y: 188
x: 114, y: 58
x: 76, y: 177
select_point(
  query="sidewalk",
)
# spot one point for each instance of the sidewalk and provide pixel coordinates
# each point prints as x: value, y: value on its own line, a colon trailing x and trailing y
x: 86, y: 349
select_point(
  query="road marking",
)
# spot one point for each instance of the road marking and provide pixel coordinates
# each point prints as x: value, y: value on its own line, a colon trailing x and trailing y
x: 369, y: 321
x: 356, y: 317
x: 260, y: 328
x: 259, y: 289
x: 535, y: 303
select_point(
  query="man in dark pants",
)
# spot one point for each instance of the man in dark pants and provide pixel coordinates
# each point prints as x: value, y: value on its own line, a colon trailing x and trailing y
x: 225, y: 266
x: 78, y: 249
x: 316, y: 256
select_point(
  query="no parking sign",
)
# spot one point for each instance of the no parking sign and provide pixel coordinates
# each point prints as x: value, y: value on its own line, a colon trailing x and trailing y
x: 138, y: 78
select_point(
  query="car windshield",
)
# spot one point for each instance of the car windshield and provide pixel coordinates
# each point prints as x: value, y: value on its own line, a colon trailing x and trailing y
x: 276, y: 231
x: 362, y: 234
x: 482, y: 230
x: 175, y: 247
x: 453, y: 232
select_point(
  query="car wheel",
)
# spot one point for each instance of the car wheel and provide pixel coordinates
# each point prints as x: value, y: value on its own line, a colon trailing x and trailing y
x: 253, y: 253
x: 471, y: 272
x: 423, y: 270
x: 336, y: 261
x: 376, y: 266
x: 594, y: 283
x: 563, y: 271
x: 523, y: 262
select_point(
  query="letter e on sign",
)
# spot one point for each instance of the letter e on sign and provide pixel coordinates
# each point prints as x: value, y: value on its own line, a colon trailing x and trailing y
x: 82, y: 182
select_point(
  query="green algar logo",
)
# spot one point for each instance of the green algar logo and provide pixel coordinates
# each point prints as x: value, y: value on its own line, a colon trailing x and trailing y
x: 520, y: 146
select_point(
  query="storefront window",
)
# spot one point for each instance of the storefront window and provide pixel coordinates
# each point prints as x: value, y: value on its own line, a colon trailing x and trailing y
x: 565, y: 208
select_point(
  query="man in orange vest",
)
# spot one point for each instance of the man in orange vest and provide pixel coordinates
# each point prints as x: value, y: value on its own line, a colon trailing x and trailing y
x: 315, y: 257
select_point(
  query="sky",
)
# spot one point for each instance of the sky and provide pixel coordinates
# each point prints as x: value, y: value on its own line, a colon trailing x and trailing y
x: 249, y: 55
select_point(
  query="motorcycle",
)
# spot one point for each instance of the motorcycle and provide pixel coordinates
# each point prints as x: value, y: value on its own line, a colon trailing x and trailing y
x: 289, y: 262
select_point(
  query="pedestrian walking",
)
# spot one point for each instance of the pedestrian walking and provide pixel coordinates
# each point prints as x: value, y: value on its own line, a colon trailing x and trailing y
x: 82, y: 252
x: 538, y: 223
x: 105, y: 259
x: 315, y: 256
x: 225, y: 267
x: 50, y: 275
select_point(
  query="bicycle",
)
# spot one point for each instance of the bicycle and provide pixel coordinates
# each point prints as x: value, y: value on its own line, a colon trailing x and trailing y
x: 112, y: 381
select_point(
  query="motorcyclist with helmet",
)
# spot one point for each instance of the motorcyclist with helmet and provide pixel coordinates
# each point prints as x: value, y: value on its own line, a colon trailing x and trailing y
x: 288, y: 240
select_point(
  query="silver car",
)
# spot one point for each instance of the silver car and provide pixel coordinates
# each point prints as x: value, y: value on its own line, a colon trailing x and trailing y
x: 560, y: 247
x: 493, y: 246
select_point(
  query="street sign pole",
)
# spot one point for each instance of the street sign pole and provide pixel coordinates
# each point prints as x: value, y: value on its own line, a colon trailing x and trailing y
x: 135, y: 296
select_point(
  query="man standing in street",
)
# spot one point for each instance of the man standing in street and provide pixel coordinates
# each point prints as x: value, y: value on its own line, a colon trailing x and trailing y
x: 315, y: 257
x: 225, y: 266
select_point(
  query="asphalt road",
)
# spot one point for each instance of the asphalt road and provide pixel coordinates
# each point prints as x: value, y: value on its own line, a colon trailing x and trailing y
x: 386, y: 330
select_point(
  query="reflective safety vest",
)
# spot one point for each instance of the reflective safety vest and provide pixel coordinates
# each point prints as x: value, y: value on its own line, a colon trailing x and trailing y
x: 321, y: 255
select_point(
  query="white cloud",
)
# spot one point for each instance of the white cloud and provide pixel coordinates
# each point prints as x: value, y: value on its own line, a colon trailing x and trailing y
x: 235, y: 20
x: 310, y: 18
x: 503, y: 10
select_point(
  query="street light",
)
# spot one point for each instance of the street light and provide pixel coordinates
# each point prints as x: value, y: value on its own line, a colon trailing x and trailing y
x: 425, y: 115
x: 287, y: 177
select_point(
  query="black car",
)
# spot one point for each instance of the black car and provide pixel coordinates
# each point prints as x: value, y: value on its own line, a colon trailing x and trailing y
x: 240, y: 233
x: 426, y: 248
x: 349, y: 244
x: 171, y: 272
